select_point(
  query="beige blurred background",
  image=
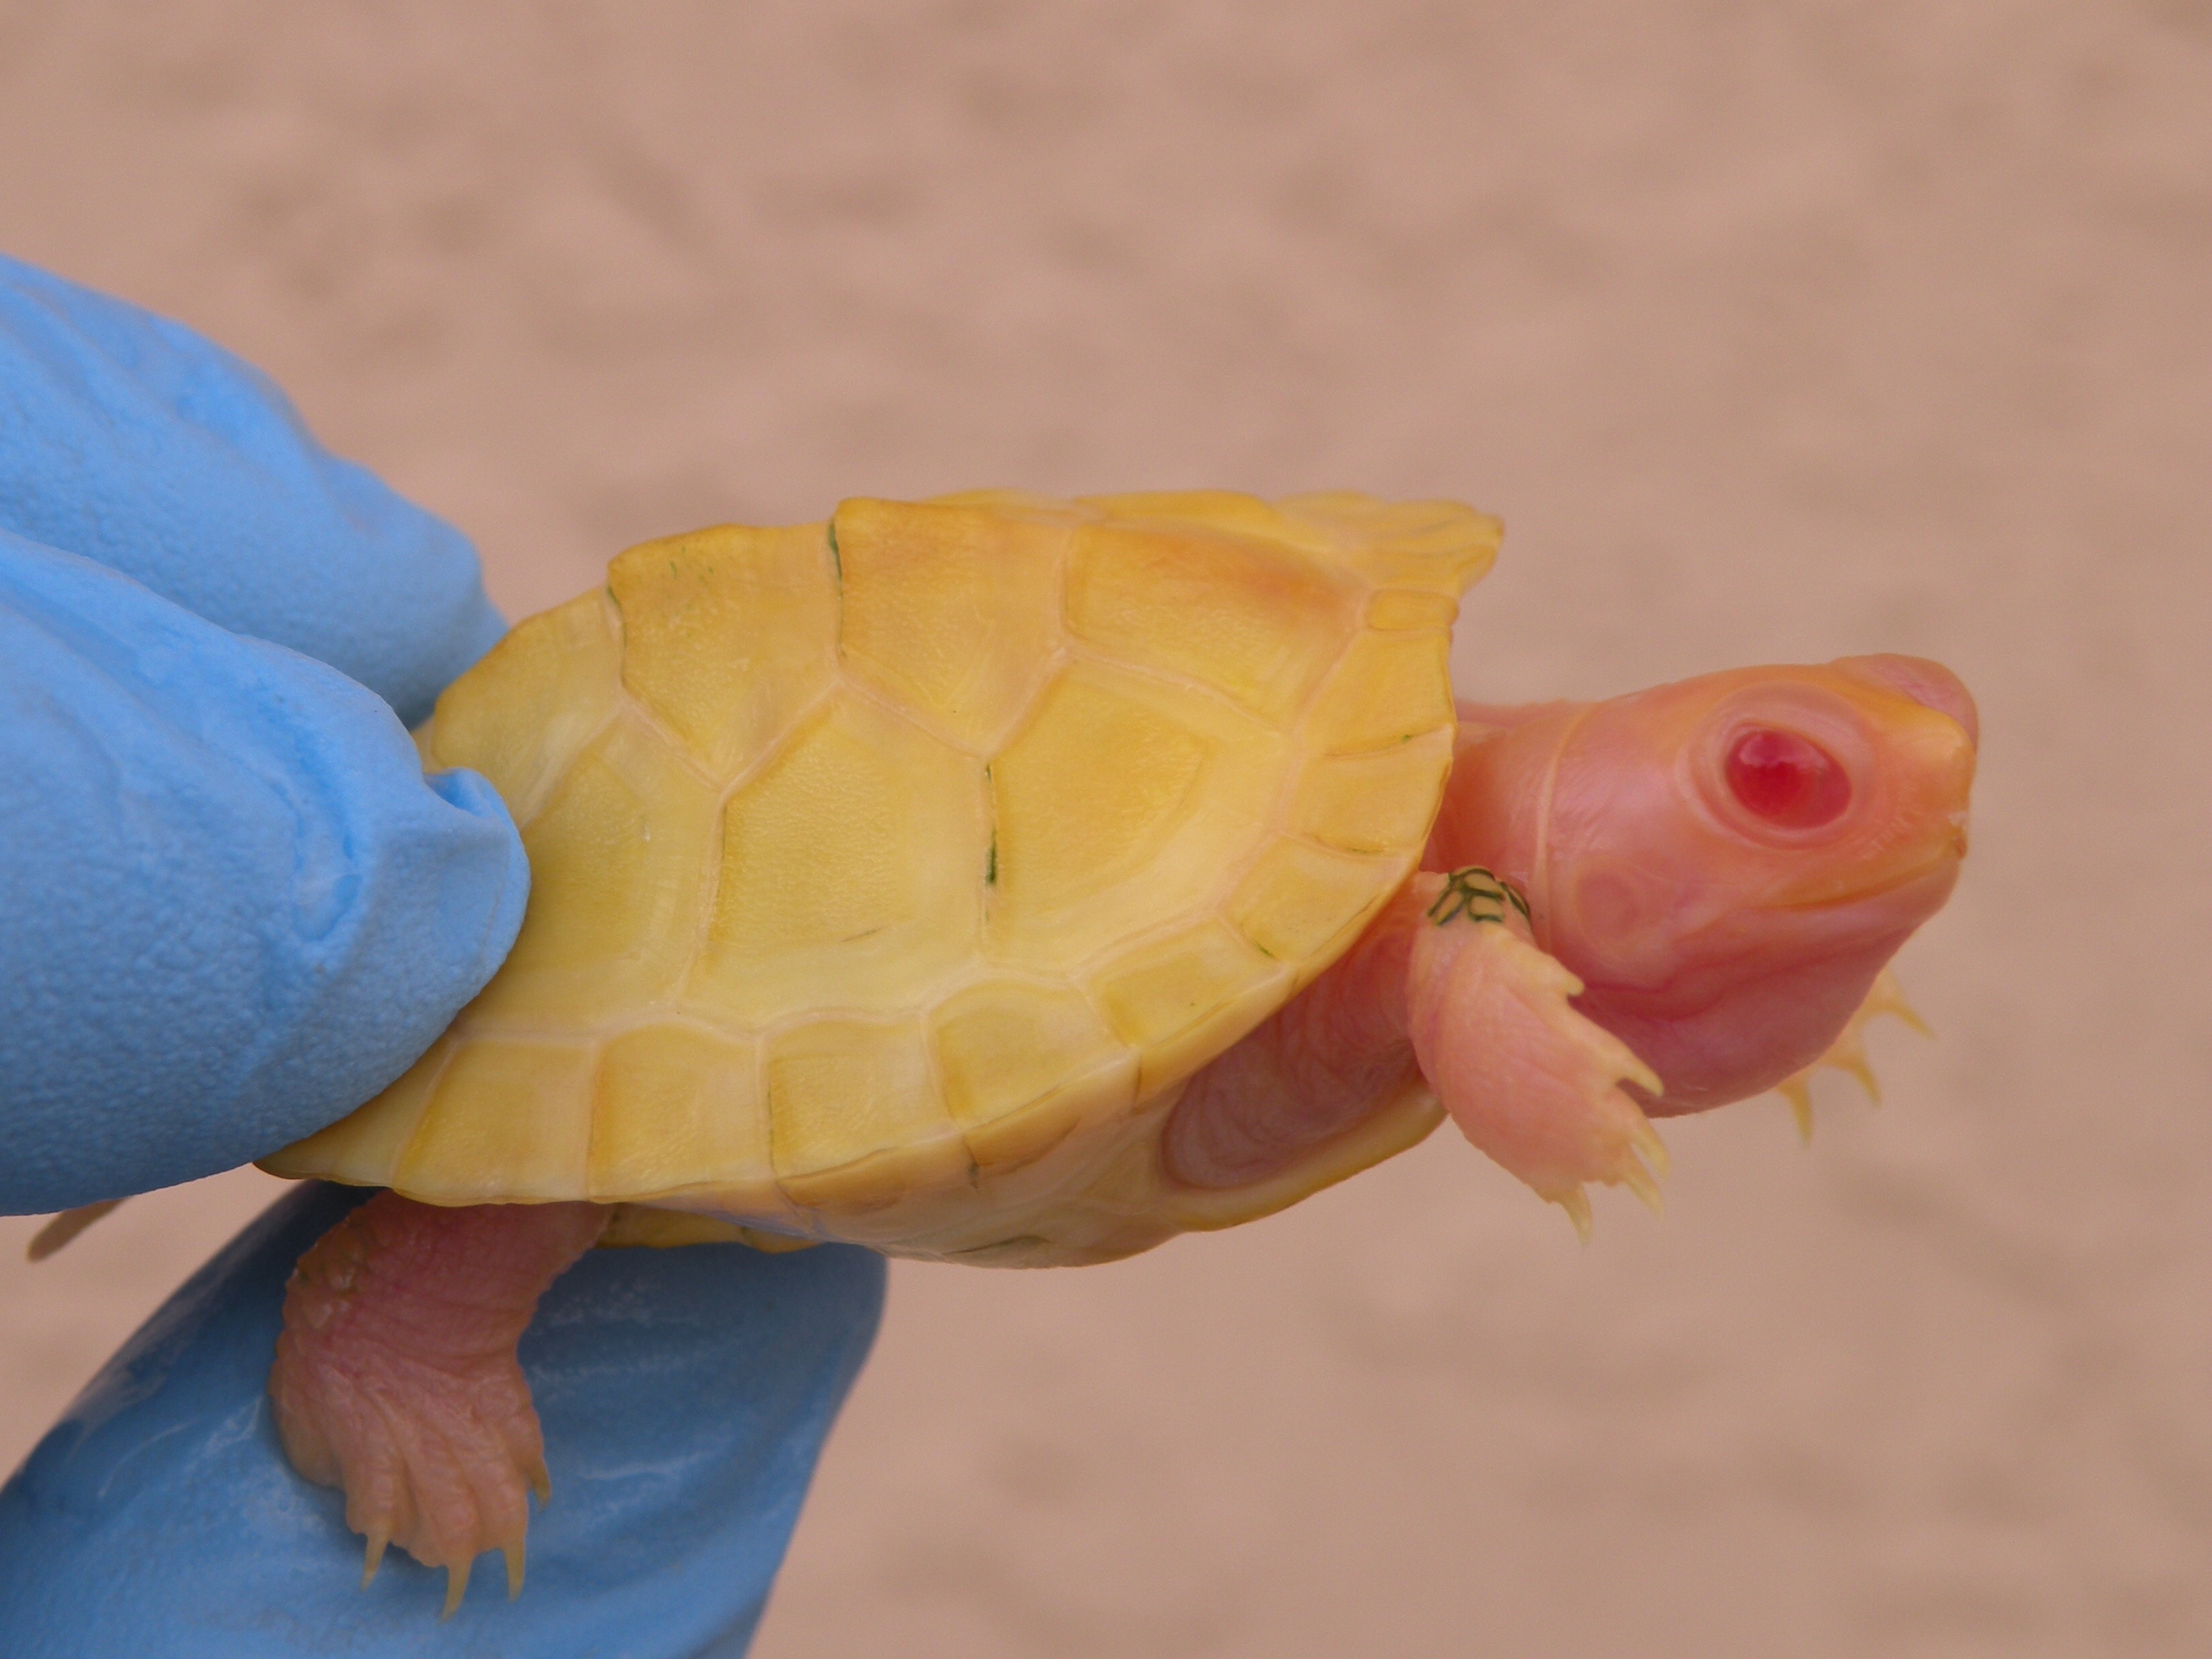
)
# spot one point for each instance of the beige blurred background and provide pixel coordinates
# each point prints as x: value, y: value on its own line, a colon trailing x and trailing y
x: 1775, y: 330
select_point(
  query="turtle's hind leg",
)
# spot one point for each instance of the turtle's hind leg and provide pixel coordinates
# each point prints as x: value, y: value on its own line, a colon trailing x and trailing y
x: 396, y: 1375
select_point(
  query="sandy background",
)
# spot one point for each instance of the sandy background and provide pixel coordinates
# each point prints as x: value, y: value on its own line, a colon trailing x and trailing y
x: 1775, y: 330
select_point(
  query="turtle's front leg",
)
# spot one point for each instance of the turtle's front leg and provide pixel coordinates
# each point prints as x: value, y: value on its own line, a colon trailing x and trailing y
x: 396, y: 1375
x: 1528, y: 1080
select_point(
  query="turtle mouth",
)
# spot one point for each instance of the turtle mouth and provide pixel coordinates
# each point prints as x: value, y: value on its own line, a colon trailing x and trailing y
x: 1921, y: 887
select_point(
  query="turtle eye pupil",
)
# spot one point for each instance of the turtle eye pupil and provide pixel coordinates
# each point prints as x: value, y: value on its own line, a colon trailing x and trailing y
x: 1790, y: 782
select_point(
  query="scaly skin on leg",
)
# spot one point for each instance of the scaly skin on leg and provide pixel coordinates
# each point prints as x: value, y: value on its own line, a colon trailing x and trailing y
x: 1313, y: 1070
x: 396, y: 1376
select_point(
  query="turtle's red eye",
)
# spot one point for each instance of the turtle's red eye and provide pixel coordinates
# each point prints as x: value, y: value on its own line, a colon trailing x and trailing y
x: 1786, y: 781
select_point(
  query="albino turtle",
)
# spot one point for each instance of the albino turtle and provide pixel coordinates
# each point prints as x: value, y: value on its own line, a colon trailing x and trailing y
x: 1021, y: 882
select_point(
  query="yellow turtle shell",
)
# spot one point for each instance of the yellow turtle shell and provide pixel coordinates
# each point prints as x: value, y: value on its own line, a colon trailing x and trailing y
x: 891, y: 875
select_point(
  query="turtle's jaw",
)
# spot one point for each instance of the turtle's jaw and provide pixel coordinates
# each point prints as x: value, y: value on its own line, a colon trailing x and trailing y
x: 1745, y: 1011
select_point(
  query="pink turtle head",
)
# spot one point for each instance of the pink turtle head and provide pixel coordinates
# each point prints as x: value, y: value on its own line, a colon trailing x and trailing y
x: 1726, y: 863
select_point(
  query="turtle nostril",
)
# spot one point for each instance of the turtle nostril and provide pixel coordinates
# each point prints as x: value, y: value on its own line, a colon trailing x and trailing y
x: 1785, y: 780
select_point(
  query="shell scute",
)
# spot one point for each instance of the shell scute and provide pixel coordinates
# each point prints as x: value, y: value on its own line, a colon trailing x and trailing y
x: 854, y: 1119
x: 1395, y: 609
x: 1228, y: 511
x: 514, y: 1114
x: 619, y: 858
x: 952, y: 611
x: 1387, y: 690
x: 1377, y: 802
x: 1442, y: 546
x: 677, y: 1107
x: 364, y: 1145
x: 1181, y: 1000
x: 1256, y: 622
x: 1301, y: 899
x: 851, y: 870
x: 1009, y: 1052
x: 534, y: 701
x: 729, y: 634
x: 1119, y: 807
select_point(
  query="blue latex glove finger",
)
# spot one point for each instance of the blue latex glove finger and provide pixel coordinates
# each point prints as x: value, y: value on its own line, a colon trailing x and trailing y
x: 130, y: 440
x: 234, y: 908
x: 684, y: 1395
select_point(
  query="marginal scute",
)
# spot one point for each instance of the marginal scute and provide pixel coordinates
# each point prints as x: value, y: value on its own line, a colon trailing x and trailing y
x: 677, y: 1107
x: 729, y: 634
x: 1017, y: 1140
x: 1441, y: 545
x: 364, y: 1145
x: 844, y: 1092
x: 1388, y: 688
x: 1013, y: 504
x: 1227, y: 510
x: 1182, y: 1000
x: 1089, y: 853
x: 619, y: 860
x: 1256, y: 621
x: 633, y: 1226
x: 1009, y: 1050
x: 537, y: 696
x: 852, y: 870
x: 1301, y: 900
x: 952, y: 611
x: 1378, y: 802
x: 1393, y: 609
x: 514, y: 1114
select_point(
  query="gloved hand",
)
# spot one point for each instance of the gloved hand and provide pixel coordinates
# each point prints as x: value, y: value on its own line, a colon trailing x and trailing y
x: 232, y: 909
x: 684, y: 1393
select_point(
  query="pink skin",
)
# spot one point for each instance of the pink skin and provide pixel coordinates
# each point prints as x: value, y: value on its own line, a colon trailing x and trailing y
x: 1725, y: 949
x: 396, y: 1375
x: 1726, y: 944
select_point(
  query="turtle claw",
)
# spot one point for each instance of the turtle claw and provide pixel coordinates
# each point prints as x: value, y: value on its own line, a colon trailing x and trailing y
x: 440, y: 1476
x: 1576, y: 1202
x: 456, y: 1586
x: 1848, y: 1053
x: 373, y: 1557
x: 1798, y: 1091
x: 1640, y: 1168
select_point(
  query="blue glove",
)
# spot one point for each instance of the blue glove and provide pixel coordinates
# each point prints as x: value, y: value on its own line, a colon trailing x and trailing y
x: 129, y: 439
x: 233, y: 909
x: 684, y: 1393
